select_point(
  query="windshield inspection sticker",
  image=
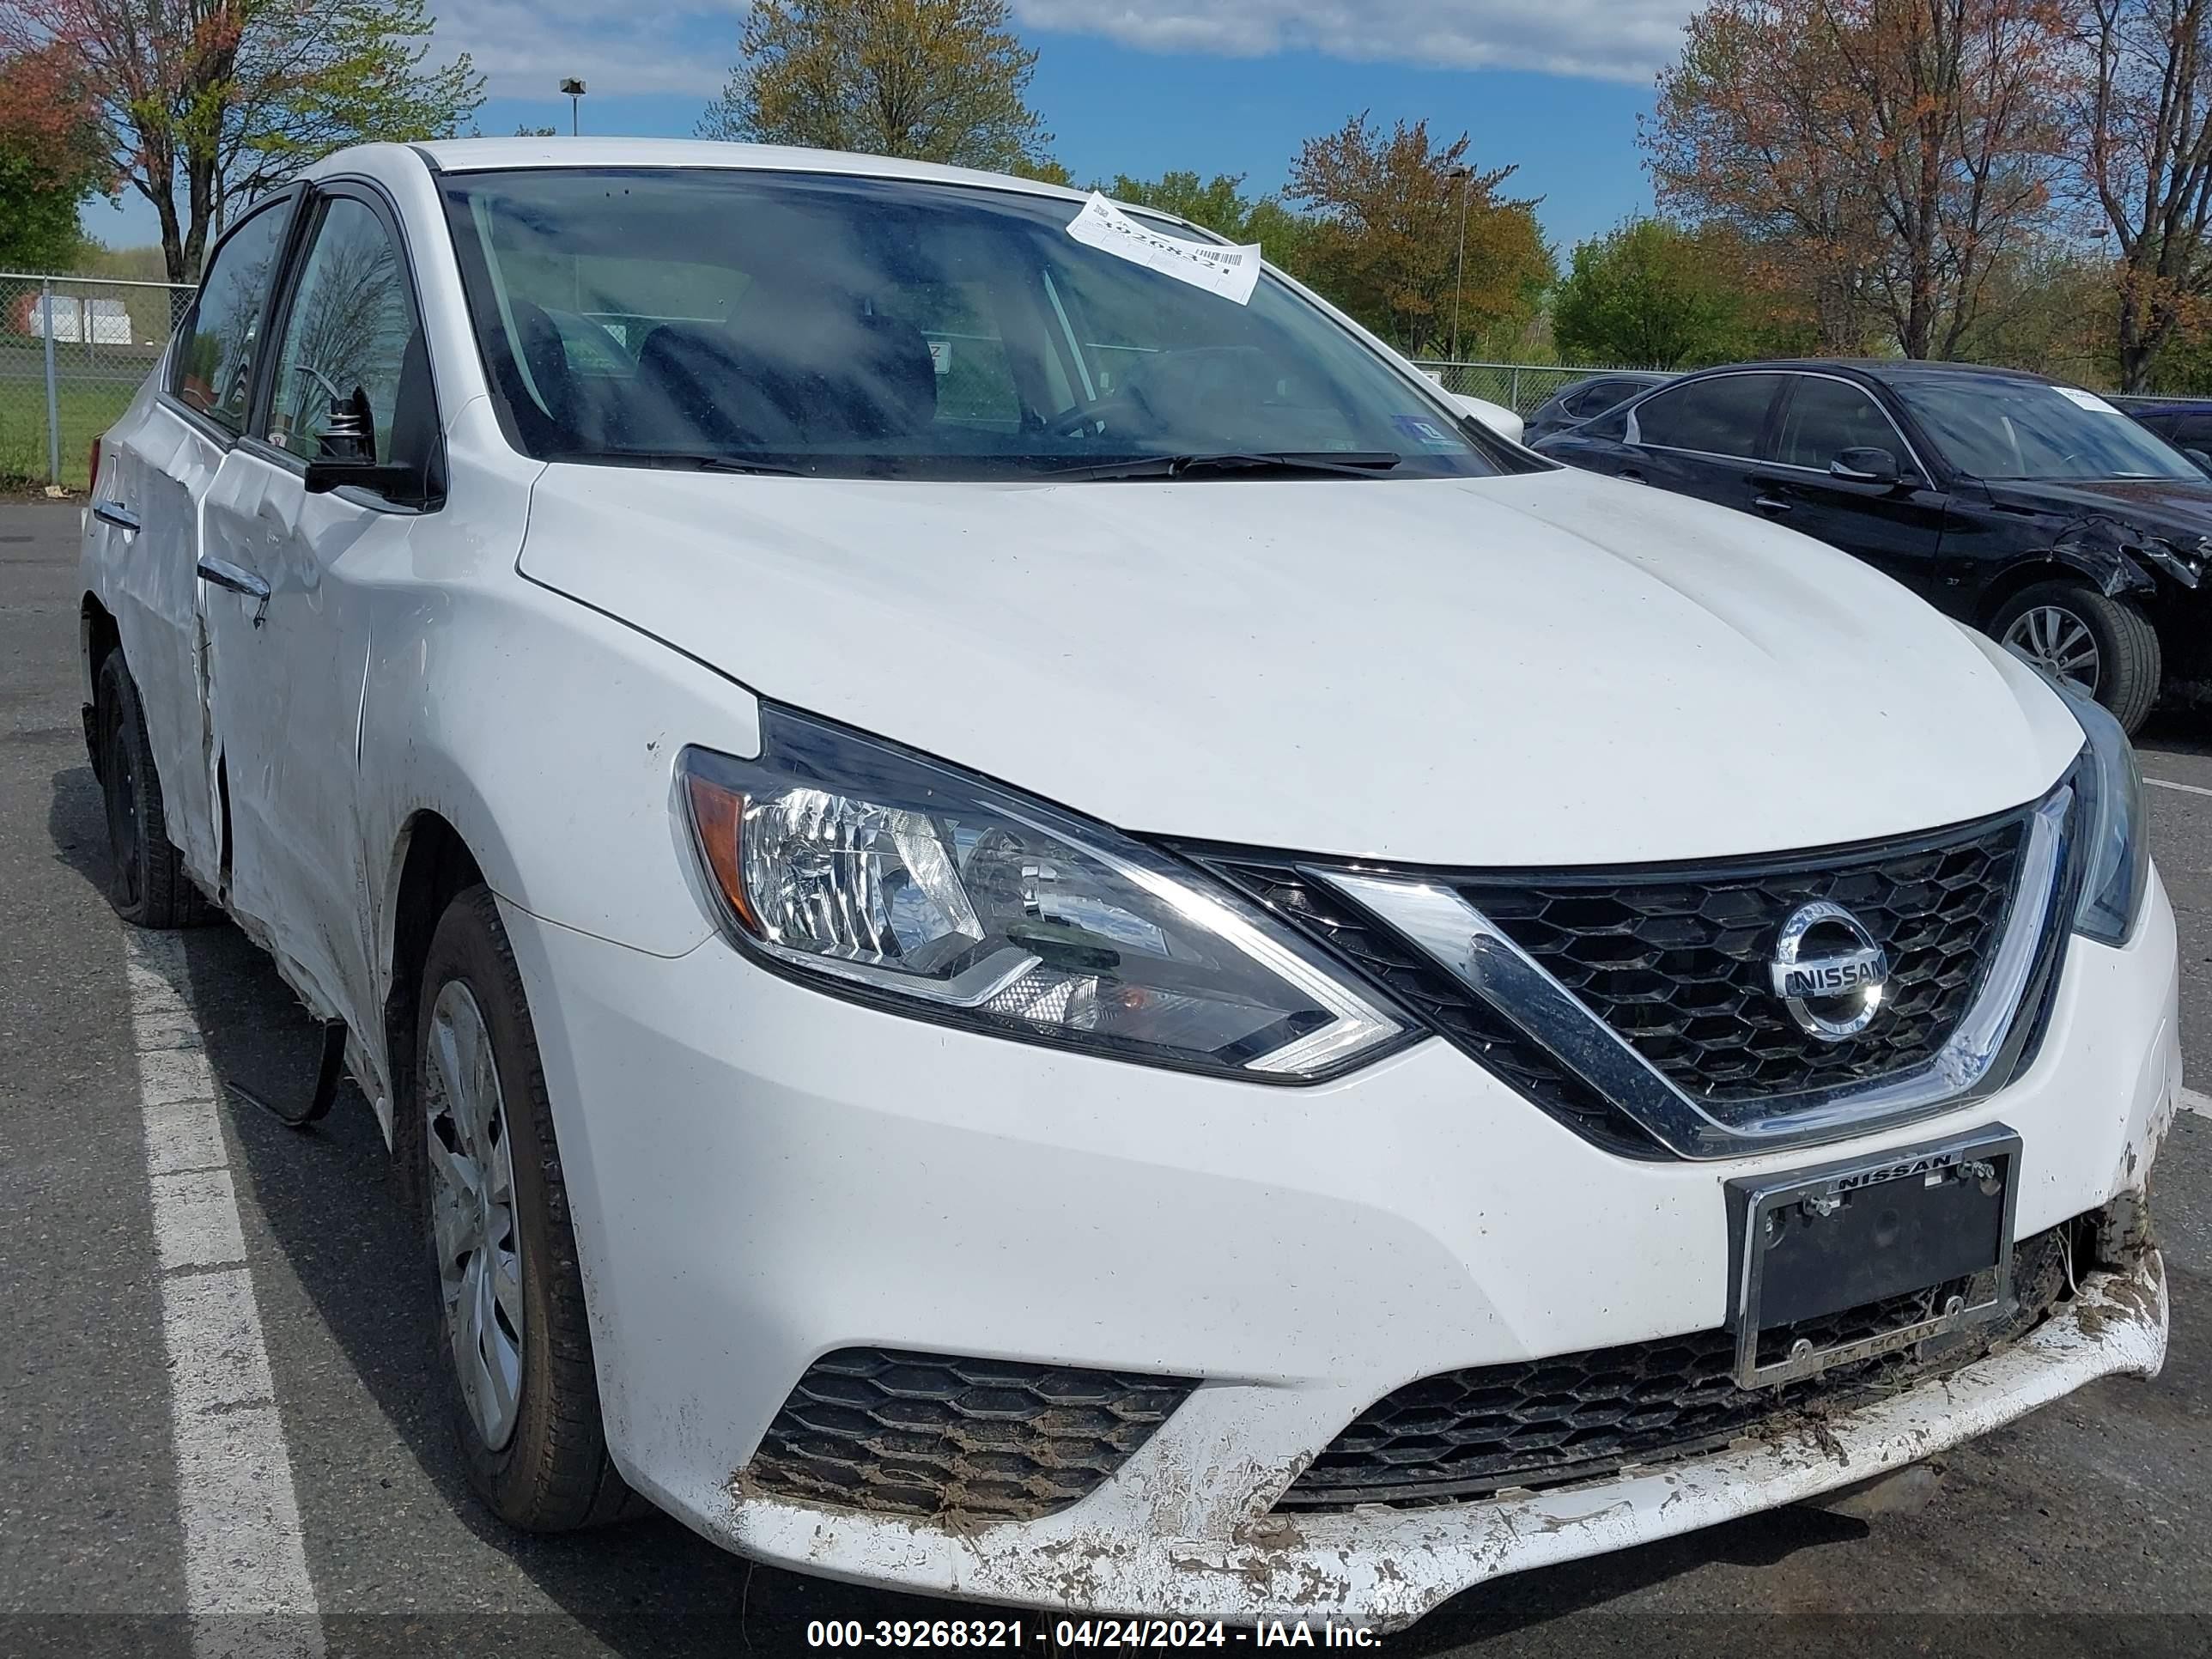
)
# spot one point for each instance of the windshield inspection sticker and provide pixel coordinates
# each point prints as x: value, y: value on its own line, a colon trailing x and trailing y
x: 1231, y: 272
x: 2087, y: 400
x: 1425, y: 432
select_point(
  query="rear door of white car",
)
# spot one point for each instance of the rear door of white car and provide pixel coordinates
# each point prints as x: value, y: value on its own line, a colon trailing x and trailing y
x: 156, y: 467
x: 288, y: 638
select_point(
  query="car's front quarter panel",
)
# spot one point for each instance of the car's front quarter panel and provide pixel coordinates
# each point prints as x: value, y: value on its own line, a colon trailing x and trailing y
x: 542, y: 732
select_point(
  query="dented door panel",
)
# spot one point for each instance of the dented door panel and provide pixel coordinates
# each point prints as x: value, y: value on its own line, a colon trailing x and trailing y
x: 284, y: 698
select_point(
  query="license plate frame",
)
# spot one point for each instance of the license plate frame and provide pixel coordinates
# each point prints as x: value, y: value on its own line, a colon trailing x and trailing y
x: 1958, y: 1208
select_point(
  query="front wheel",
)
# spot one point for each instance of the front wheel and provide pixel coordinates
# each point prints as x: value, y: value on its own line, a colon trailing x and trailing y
x: 2106, y: 646
x: 513, y: 1346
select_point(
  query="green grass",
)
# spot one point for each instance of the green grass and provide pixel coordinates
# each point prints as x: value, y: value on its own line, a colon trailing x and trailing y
x: 87, y: 408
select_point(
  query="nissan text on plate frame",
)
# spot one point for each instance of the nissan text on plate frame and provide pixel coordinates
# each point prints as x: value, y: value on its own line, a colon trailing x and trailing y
x: 1030, y: 930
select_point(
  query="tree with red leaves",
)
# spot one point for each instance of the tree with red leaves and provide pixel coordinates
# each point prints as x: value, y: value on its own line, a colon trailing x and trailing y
x: 1887, y: 153
x: 200, y: 104
x: 49, y: 161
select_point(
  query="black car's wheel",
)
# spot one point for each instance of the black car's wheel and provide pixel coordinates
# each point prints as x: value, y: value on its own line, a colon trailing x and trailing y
x: 514, y: 1346
x: 2073, y: 633
x: 146, y: 879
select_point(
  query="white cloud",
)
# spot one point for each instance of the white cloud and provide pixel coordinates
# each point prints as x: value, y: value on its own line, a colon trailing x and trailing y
x: 524, y: 48
x: 1612, y: 40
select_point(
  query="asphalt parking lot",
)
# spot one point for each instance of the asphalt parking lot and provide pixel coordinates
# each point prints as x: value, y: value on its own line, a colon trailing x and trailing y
x: 2085, y: 1528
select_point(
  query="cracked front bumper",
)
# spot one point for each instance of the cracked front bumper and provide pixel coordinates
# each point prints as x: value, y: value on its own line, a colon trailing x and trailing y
x: 1386, y: 1567
x: 761, y: 1175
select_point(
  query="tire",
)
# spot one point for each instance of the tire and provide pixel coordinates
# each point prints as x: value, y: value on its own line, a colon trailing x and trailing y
x: 2128, y: 660
x: 549, y: 1470
x: 146, y: 881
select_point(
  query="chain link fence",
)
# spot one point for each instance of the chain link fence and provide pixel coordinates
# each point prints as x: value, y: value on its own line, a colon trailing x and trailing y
x: 1519, y: 386
x: 73, y: 350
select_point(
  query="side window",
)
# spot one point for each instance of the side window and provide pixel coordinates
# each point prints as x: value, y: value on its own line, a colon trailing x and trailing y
x: 1826, y: 417
x: 346, y: 334
x: 1597, y: 397
x: 213, y: 370
x: 1721, y: 416
x: 2190, y: 431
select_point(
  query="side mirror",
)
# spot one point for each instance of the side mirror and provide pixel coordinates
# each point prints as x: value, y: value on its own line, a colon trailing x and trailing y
x: 1874, y: 466
x: 2199, y: 460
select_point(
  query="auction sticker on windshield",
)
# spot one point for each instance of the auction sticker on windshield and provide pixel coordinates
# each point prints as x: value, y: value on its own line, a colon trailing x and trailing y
x: 1231, y: 272
x: 2089, y: 400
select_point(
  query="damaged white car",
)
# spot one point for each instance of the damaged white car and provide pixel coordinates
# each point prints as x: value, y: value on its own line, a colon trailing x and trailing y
x: 1030, y: 927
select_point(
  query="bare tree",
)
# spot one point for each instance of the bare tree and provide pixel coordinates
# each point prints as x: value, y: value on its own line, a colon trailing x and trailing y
x: 1887, y: 150
x: 2140, y: 132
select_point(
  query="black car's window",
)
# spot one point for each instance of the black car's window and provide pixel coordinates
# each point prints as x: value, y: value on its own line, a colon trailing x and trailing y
x: 881, y: 327
x: 1724, y: 416
x: 348, y: 332
x: 213, y: 368
x: 2190, y: 431
x: 1597, y: 397
x: 1989, y: 427
x: 1826, y: 417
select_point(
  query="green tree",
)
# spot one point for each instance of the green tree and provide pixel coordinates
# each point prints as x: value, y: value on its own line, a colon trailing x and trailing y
x: 50, y: 162
x: 199, y: 104
x: 1649, y: 294
x: 1388, y: 210
x: 929, y: 80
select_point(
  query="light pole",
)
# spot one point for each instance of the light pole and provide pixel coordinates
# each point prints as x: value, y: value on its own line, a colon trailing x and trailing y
x: 1458, y: 271
x: 575, y: 90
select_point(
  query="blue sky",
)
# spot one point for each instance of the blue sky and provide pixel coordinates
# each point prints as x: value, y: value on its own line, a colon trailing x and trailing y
x: 1142, y: 86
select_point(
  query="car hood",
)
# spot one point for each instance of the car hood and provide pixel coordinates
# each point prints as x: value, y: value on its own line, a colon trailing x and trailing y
x: 2164, y: 506
x: 1543, y: 669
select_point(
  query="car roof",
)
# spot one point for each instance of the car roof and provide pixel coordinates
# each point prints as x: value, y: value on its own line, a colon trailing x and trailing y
x: 1891, y: 370
x: 485, y: 155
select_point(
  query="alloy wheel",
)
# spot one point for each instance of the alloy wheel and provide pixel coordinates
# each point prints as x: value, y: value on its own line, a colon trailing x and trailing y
x: 472, y: 1214
x: 2058, y: 642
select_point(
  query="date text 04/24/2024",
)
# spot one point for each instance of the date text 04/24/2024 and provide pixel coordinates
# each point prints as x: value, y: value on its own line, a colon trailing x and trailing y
x: 1101, y: 1634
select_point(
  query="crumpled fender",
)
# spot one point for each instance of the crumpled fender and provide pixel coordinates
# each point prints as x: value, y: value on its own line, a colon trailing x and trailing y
x: 2116, y: 557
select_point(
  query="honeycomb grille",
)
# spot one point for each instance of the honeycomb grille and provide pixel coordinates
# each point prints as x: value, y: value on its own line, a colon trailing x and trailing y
x: 1471, y: 1434
x: 955, y: 1440
x: 1679, y: 963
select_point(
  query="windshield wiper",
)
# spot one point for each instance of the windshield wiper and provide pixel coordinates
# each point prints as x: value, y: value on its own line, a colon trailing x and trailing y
x: 1348, y: 465
x: 681, y: 457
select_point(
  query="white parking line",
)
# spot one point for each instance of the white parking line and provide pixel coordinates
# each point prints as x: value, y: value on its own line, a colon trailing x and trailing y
x: 2194, y: 1100
x: 2183, y: 789
x: 246, y: 1564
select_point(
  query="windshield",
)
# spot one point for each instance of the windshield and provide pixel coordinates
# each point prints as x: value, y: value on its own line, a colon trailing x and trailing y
x: 884, y: 328
x: 1993, y: 428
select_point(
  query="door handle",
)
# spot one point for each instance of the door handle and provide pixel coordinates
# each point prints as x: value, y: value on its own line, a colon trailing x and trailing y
x: 116, y: 513
x: 1768, y: 504
x: 239, y: 580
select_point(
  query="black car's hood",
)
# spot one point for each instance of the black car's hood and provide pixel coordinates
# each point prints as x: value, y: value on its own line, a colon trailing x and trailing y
x: 2163, y: 506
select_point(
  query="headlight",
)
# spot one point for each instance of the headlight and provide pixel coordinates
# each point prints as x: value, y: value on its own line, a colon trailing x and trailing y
x: 894, y: 880
x: 2115, y: 853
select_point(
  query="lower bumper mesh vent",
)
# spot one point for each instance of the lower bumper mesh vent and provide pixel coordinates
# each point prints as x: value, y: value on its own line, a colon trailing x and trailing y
x: 955, y: 1439
x: 1471, y: 1434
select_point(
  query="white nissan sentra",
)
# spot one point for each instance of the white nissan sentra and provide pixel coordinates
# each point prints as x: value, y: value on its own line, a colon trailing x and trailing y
x: 1030, y: 926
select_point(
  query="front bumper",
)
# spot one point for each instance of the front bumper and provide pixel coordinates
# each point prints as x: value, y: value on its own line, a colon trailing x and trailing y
x: 761, y: 1174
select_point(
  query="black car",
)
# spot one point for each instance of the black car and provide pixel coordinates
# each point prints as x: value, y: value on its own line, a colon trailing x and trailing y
x: 2035, y: 511
x: 1580, y: 400
x: 2186, y: 424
